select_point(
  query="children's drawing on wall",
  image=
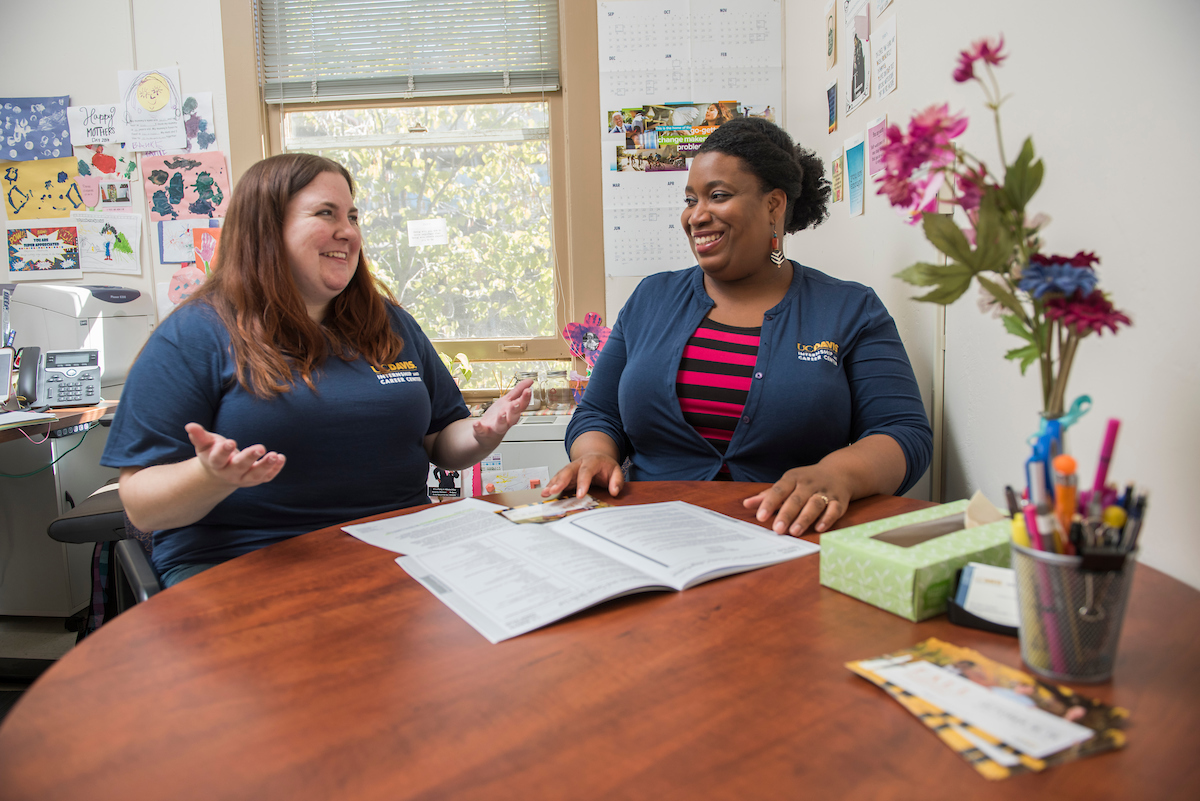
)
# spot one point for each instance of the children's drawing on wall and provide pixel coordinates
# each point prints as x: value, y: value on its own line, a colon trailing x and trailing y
x: 34, y: 128
x: 43, y: 250
x: 199, y: 124
x: 109, y: 243
x: 105, y: 164
x: 176, y: 242
x: 153, y: 108
x: 856, y: 24
x: 204, y: 243
x: 186, y: 186
x: 184, y: 281
x: 35, y: 190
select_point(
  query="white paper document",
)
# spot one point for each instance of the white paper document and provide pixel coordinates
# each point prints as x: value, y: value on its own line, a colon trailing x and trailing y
x: 1026, y: 728
x: 509, y: 580
x: 443, y: 526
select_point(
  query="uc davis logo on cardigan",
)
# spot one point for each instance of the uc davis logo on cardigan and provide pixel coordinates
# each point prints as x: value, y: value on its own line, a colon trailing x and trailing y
x: 397, y: 373
x: 818, y: 350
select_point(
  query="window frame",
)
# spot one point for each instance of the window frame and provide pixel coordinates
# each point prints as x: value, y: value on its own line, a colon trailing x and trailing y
x: 574, y: 148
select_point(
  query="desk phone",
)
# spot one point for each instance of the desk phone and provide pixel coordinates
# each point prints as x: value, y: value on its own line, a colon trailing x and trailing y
x: 69, y: 378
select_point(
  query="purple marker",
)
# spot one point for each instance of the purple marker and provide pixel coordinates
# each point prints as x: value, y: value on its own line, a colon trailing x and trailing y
x: 1106, y: 452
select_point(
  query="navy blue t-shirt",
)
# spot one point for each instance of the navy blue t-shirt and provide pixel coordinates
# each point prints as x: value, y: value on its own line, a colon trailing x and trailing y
x: 353, y: 448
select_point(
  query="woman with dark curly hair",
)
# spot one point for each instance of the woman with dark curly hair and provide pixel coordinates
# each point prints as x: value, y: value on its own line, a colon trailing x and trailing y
x: 749, y: 366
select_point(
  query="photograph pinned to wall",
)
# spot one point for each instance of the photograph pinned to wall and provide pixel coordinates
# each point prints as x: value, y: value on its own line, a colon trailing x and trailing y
x: 883, y: 47
x: 857, y: 26
x: 204, y: 247
x: 43, y: 250
x: 153, y: 108
x: 761, y: 112
x: 36, y: 190
x: 176, y: 242
x: 831, y: 100
x: 876, y: 139
x: 830, y: 35
x: 33, y: 128
x: 855, y: 169
x: 109, y: 243
x: 186, y: 186
x: 115, y: 193
x: 837, y: 176
x: 97, y: 125
x: 199, y: 123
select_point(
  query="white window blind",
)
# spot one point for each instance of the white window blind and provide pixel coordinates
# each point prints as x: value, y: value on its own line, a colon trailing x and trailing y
x: 375, y: 49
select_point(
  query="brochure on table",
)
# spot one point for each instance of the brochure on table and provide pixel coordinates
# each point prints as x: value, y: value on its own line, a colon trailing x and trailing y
x: 506, y: 579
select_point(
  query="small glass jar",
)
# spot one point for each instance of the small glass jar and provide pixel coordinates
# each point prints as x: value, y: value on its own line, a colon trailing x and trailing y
x: 536, y: 399
x: 557, y: 391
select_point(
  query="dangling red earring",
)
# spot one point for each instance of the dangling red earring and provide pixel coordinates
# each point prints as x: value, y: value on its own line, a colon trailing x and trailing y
x: 776, y: 252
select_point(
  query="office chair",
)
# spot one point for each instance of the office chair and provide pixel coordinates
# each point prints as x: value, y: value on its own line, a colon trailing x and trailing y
x: 101, y: 518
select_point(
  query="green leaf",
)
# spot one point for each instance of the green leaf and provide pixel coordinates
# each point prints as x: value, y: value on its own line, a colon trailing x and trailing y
x: 1028, y: 355
x: 946, y: 237
x: 1023, y: 178
x: 952, y: 281
x: 993, y: 240
x: 921, y: 274
x: 1013, y: 325
x: 1005, y: 298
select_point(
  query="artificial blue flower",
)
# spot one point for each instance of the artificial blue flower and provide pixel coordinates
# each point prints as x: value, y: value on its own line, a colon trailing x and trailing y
x: 1038, y: 279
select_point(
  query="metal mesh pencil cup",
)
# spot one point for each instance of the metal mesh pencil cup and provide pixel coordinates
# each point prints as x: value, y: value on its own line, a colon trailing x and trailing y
x: 1070, y: 619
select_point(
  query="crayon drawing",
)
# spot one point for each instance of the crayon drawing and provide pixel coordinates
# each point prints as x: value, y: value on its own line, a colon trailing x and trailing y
x: 189, y: 186
x: 153, y: 108
x: 108, y: 243
x: 43, y: 249
x: 205, y: 242
x: 34, y: 128
x: 35, y: 190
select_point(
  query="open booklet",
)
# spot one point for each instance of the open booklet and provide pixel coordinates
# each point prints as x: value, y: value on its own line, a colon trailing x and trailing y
x: 507, y: 579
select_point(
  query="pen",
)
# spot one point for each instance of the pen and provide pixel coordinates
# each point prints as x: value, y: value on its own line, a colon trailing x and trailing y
x: 1052, y: 538
x: 1064, y: 493
x: 1031, y: 528
x: 1010, y: 495
x: 1106, y: 452
x: 1134, y: 526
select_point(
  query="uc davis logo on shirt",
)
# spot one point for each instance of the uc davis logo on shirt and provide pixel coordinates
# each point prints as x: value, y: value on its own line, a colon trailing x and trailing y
x: 397, y: 373
x: 818, y: 350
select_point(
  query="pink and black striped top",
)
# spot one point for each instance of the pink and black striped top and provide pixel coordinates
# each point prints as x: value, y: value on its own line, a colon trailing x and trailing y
x: 714, y: 380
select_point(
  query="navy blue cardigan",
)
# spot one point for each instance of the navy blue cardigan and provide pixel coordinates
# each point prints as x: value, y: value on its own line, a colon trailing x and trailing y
x: 831, y: 370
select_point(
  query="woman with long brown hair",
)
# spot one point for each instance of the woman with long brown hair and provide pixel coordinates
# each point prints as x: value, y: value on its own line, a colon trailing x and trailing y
x: 293, y: 345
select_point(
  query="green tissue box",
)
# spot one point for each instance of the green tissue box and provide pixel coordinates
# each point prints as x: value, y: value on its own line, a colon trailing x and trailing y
x: 906, y: 564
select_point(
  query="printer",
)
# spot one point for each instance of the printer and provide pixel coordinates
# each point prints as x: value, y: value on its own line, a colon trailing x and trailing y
x: 114, y: 320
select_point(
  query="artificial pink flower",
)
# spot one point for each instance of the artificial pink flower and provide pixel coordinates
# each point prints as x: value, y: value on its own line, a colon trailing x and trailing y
x: 970, y: 188
x: 1086, y: 314
x: 981, y: 50
x: 925, y: 145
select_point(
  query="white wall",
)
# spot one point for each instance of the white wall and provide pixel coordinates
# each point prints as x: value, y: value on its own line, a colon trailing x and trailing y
x: 107, y: 36
x: 1108, y: 91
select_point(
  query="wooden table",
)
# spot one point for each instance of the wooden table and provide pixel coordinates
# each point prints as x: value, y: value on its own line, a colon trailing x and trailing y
x: 67, y: 417
x: 317, y: 668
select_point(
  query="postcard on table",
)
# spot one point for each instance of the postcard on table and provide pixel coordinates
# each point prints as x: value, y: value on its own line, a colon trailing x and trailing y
x: 1001, y: 720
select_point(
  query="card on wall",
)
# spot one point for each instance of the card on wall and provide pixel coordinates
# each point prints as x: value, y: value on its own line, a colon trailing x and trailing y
x: 34, y: 128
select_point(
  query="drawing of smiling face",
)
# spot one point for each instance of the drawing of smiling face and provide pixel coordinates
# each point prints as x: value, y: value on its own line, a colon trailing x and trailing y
x: 184, y: 282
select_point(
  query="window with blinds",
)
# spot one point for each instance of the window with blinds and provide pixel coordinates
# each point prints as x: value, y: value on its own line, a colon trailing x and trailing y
x: 340, y: 50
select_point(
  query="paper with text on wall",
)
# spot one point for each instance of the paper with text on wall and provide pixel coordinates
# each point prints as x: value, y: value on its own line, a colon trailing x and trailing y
x: 513, y: 581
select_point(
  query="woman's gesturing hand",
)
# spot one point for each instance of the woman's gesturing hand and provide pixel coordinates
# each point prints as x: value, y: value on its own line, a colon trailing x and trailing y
x: 801, y: 497
x: 221, y: 459
x: 503, y: 414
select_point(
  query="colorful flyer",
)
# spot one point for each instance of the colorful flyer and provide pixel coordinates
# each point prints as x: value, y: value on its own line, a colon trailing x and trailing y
x: 837, y: 179
x: 33, y: 128
x: 1002, y: 721
x: 43, y: 250
x: 38, y: 190
x: 831, y: 99
x: 855, y: 169
x: 189, y: 186
x: 876, y: 139
x: 109, y: 243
